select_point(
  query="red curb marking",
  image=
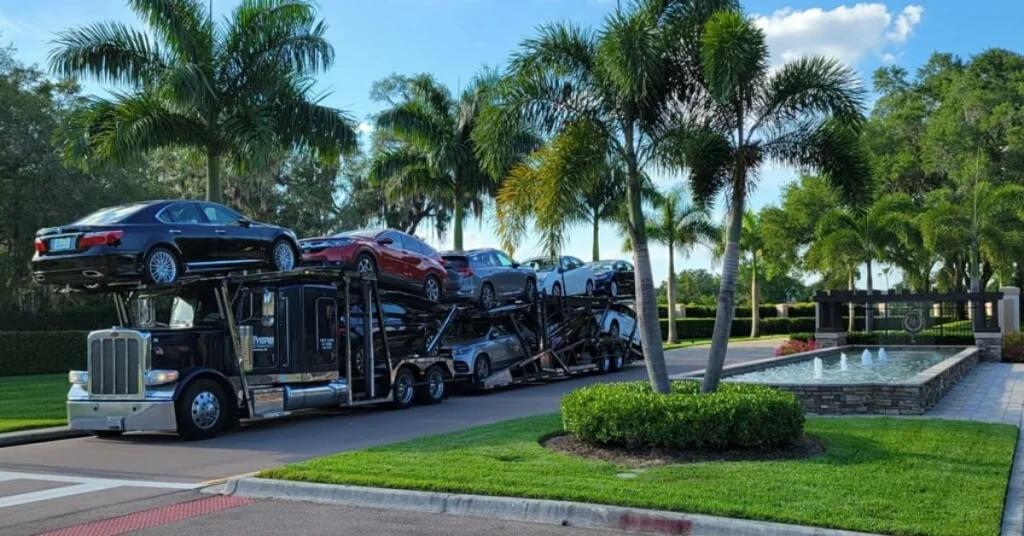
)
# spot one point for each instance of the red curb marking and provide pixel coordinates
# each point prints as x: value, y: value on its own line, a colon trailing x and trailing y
x: 152, y: 518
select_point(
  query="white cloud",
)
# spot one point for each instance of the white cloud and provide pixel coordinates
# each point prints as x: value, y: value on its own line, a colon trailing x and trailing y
x: 9, y: 28
x: 847, y: 33
x: 364, y: 128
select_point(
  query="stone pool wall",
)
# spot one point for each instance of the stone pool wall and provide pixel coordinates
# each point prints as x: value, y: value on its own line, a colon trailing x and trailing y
x: 908, y: 397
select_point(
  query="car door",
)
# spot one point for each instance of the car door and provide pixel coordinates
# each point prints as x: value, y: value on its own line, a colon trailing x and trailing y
x: 625, y: 276
x: 502, y: 342
x: 414, y: 258
x: 391, y: 264
x: 510, y: 280
x: 187, y: 229
x: 237, y: 242
x: 575, y: 279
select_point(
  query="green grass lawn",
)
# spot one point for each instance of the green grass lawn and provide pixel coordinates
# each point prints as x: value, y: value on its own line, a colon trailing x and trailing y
x: 897, y: 476
x: 32, y: 401
x: 701, y: 342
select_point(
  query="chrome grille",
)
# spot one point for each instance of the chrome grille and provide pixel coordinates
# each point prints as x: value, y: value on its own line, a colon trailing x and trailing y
x: 117, y: 360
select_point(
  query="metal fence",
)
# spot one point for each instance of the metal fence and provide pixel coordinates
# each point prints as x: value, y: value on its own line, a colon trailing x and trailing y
x: 922, y: 317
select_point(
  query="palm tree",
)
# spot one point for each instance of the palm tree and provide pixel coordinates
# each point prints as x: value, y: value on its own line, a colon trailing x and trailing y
x: 434, y: 152
x: 633, y: 83
x: 752, y: 242
x: 807, y: 113
x: 238, y: 89
x: 679, y: 226
x: 865, y: 235
x: 604, y: 197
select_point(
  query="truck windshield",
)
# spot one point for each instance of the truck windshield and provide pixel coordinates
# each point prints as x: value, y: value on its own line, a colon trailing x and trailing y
x: 175, y: 312
x: 182, y: 313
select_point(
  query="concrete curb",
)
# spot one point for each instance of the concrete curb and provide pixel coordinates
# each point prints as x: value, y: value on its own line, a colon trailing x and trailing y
x: 572, y: 514
x: 39, y: 435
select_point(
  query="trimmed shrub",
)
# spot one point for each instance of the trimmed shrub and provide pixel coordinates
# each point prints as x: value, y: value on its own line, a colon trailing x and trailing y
x: 802, y: 336
x: 701, y: 328
x: 1013, y: 347
x: 737, y: 416
x: 795, y: 346
x: 41, y: 352
x: 86, y: 318
x: 907, y: 338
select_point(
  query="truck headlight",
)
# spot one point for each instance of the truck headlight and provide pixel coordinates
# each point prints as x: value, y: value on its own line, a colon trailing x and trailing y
x: 78, y: 377
x: 160, y: 377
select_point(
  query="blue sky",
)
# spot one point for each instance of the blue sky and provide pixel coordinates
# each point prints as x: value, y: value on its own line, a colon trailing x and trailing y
x: 452, y: 39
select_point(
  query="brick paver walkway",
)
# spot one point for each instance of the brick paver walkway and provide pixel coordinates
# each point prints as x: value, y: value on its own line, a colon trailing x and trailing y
x: 994, y: 392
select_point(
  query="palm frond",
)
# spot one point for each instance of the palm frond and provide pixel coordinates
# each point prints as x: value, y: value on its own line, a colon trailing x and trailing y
x: 304, y: 123
x: 812, y: 86
x: 183, y: 25
x: 830, y: 148
x: 735, y: 57
x: 107, y: 52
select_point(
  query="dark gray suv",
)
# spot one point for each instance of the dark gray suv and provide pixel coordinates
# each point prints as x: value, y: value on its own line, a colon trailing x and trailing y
x: 489, y: 277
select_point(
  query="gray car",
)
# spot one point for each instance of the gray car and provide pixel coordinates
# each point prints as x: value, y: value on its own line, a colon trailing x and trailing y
x: 482, y: 347
x: 490, y: 277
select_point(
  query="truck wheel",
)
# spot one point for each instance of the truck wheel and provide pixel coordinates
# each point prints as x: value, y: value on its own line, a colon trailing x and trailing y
x: 202, y: 410
x: 403, y: 391
x: 604, y: 361
x: 435, y: 389
x: 618, y: 358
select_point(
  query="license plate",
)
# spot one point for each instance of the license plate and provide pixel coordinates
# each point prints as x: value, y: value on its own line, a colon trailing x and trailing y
x: 60, y: 244
x: 115, y: 423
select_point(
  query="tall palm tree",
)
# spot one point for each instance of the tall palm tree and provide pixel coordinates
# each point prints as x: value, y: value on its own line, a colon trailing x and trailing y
x: 752, y: 243
x: 633, y: 82
x: 434, y: 152
x: 679, y: 226
x: 807, y: 113
x: 237, y: 89
x: 604, y: 197
x: 867, y: 236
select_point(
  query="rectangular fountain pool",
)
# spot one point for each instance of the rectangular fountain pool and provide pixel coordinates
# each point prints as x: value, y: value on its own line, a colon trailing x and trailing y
x: 906, y: 381
x: 867, y: 365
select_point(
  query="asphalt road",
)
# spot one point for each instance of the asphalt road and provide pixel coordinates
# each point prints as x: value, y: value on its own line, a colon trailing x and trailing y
x: 111, y: 477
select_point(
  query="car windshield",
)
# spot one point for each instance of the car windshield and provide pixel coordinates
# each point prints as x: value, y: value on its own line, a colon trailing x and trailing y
x: 110, y: 215
x: 601, y: 265
x: 363, y: 233
x: 540, y: 264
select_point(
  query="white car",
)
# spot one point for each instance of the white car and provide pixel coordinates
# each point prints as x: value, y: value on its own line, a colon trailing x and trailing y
x: 619, y: 322
x: 570, y: 277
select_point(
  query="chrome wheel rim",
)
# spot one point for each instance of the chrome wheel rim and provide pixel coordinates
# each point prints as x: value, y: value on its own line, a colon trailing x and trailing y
x: 284, y: 257
x: 531, y: 291
x: 483, y: 369
x: 614, y: 289
x: 590, y: 288
x: 619, y: 361
x: 487, y: 297
x: 364, y: 266
x: 162, y: 268
x: 436, y: 381
x: 433, y: 291
x: 404, y: 388
x: 557, y: 290
x: 614, y: 332
x: 205, y: 410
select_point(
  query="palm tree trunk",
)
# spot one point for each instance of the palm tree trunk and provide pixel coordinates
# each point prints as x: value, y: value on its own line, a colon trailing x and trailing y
x: 646, y: 303
x: 727, y: 292
x: 869, y: 307
x: 597, y: 246
x: 755, y: 300
x: 457, y: 228
x: 673, y: 337
x: 852, y: 306
x: 214, y: 191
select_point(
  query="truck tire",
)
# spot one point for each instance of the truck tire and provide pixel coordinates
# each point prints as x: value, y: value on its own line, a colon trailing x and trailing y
x: 403, y: 392
x: 202, y: 410
x: 618, y: 357
x: 435, y: 389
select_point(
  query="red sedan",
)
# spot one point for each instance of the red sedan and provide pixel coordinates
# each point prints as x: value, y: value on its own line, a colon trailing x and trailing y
x: 397, y: 258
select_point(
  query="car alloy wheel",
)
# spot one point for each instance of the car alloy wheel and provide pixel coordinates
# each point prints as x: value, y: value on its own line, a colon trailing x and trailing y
x: 364, y: 265
x: 205, y: 410
x: 556, y: 290
x: 590, y: 288
x: 614, y: 331
x: 531, y: 291
x: 284, y: 257
x: 432, y: 289
x: 162, y: 267
x: 481, y: 368
x: 487, y: 297
x: 614, y: 289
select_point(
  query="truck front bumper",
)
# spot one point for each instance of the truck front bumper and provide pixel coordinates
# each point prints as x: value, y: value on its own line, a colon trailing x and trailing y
x: 122, y: 415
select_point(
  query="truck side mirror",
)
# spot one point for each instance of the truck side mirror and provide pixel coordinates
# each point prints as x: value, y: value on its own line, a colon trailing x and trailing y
x: 245, y: 347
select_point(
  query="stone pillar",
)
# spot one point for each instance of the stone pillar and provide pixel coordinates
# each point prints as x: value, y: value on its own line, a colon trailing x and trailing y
x: 830, y: 339
x: 1009, y: 310
x: 783, y: 309
x: 990, y: 345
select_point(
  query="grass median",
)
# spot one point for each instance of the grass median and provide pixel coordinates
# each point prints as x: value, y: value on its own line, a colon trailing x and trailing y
x: 702, y: 342
x: 28, y: 402
x: 895, y: 476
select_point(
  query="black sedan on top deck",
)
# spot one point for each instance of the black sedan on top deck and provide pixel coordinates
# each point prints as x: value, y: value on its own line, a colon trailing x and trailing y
x: 157, y: 242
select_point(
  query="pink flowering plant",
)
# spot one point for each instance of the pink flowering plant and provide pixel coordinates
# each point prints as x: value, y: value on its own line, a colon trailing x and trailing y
x: 795, y: 346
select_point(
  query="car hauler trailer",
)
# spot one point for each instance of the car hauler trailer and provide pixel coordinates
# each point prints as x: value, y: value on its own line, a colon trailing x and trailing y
x: 248, y: 347
x: 555, y: 337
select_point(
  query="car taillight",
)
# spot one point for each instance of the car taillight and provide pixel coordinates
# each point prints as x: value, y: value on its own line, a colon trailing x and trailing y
x: 465, y: 270
x: 40, y: 245
x: 109, y: 238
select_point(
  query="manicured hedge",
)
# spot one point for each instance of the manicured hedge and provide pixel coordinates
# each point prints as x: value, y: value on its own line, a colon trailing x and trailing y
x: 796, y: 310
x: 906, y: 338
x: 41, y: 352
x: 702, y: 328
x: 802, y: 336
x: 79, y: 318
x: 737, y: 416
x: 1013, y: 347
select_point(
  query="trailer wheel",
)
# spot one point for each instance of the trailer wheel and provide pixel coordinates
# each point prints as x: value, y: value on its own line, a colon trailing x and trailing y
x: 618, y: 358
x: 403, y: 391
x: 435, y: 389
x: 481, y: 368
x: 604, y: 363
x: 201, y: 410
